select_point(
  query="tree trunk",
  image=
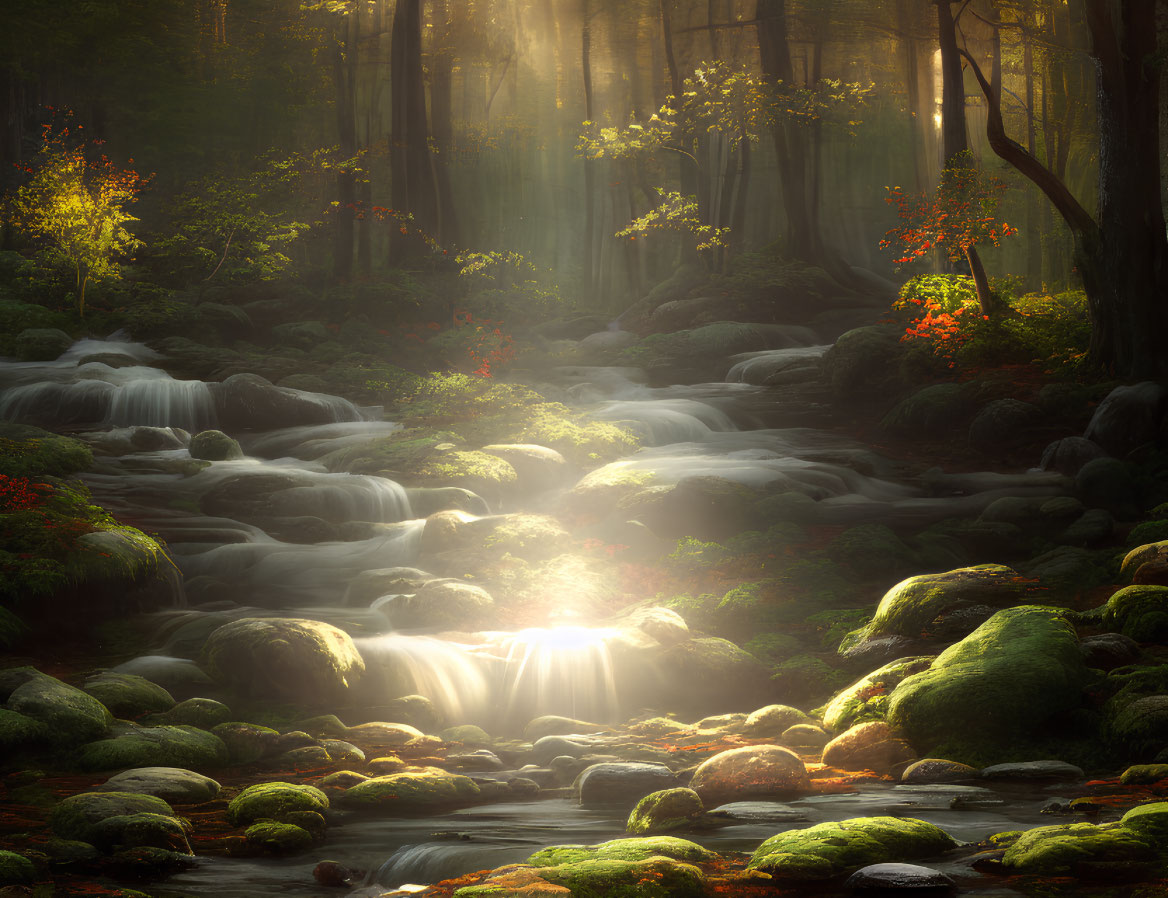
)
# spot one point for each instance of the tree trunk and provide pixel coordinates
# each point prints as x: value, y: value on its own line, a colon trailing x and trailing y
x: 442, y: 120
x: 590, y: 277
x: 1122, y: 258
x: 413, y: 189
x: 344, y: 67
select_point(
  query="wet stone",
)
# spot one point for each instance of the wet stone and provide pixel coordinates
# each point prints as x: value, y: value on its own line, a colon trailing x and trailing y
x: 1033, y: 770
x: 899, y: 877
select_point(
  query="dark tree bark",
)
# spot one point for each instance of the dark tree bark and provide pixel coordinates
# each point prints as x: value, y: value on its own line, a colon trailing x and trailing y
x: 1123, y: 257
x: 442, y: 119
x: 954, y: 137
x: 590, y: 275
x: 413, y: 187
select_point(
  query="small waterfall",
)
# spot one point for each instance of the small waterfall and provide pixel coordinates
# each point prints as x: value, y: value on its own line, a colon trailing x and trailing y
x: 48, y: 404
x: 771, y: 364
x: 314, y: 440
x: 163, y: 402
x: 334, y: 407
x: 346, y: 497
x: 436, y: 861
x: 559, y: 670
x: 663, y: 421
x: 449, y: 674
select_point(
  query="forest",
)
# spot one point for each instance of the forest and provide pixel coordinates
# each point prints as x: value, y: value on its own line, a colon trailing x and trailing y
x: 583, y: 448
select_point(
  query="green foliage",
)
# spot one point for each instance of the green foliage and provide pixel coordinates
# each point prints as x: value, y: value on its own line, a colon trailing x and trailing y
x: 74, y: 209
x: 677, y: 214
x: 693, y: 555
x: 233, y: 227
x: 508, y: 283
x: 834, y: 624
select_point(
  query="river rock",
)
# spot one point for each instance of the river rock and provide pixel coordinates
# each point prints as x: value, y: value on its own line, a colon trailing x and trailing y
x: 140, y: 830
x: 806, y: 736
x: 69, y: 715
x: 1082, y: 851
x: 130, y: 745
x: 865, y: 362
x: 621, y: 784
x: 127, y: 695
x: 1139, y: 612
x: 301, y: 661
x: 1092, y: 527
x: 751, y: 772
x: 214, y: 445
x: 1141, y: 726
x: 1002, y: 424
x: 442, y: 605
x: 1107, y: 651
x: 16, y: 870
x: 707, y: 673
x: 931, y: 411
x: 1129, y: 417
x: 912, y: 606
x: 538, y: 467
x: 1069, y: 455
x: 867, y: 746
x: 553, y: 725
x: 172, y: 784
x: 930, y: 771
x: 830, y: 849
x: 1110, y: 484
x: 41, y: 344
x: 1033, y: 770
x: 548, y: 747
x: 274, y: 801
x: 995, y: 688
x: 75, y: 817
x: 245, y: 402
x: 181, y: 677
x: 867, y: 698
x: 665, y: 811
x: 772, y: 720
x: 410, y: 792
x: 883, y: 878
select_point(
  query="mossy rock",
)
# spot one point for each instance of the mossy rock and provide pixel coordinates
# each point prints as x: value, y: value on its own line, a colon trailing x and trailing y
x: 1157, y: 551
x: 214, y: 445
x: 1140, y: 726
x: 27, y: 451
x: 772, y: 720
x: 656, y: 877
x: 273, y: 801
x: 637, y: 849
x: 487, y: 475
x: 1081, y: 850
x: 1140, y: 612
x: 930, y: 412
x: 279, y: 838
x: 995, y: 689
x: 867, y: 698
x: 128, y: 695
x: 163, y: 746
x: 1150, y: 821
x: 1143, y: 774
x: 805, y: 678
x: 20, y: 734
x: 76, y: 816
x: 70, y: 715
x: 204, y: 713
x: 246, y: 742
x: 16, y: 869
x: 303, y: 661
x: 410, y: 791
x: 665, y: 811
x: 142, y: 829
x: 600, y: 491
x: 865, y: 362
x: 830, y: 849
x: 41, y: 344
x: 872, y: 551
x: 911, y: 607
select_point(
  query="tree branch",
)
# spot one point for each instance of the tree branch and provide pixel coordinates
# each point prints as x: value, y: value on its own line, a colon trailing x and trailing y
x: 1077, y: 218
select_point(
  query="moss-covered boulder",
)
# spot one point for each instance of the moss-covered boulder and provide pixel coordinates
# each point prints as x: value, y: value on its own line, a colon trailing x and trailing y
x: 443, y: 605
x: 868, y: 746
x: 165, y: 746
x: 70, y: 715
x: 127, y: 695
x: 1140, y: 726
x: 32, y: 452
x: 931, y: 411
x: 76, y: 816
x: 913, y: 606
x: 424, y: 789
x: 172, y: 784
x: 41, y: 344
x: 204, y: 713
x: 872, y: 551
x: 214, y: 445
x: 142, y: 829
x: 636, y: 849
x: 1141, y: 555
x: 274, y: 801
x: 1140, y: 612
x: 246, y: 742
x: 487, y: 475
x: 16, y: 869
x: 767, y: 772
x: 865, y: 362
x: 996, y: 689
x: 1141, y: 774
x: 301, y: 661
x: 20, y: 734
x: 830, y: 849
x: 665, y: 811
x: 867, y: 698
x: 707, y: 674
x: 621, y: 784
x: 1082, y: 850
x: 278, y: 838
x: 655, y: 877
x: 772, y: 720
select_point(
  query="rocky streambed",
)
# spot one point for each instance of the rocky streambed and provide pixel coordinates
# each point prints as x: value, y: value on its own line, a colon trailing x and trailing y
x: 368, y: 656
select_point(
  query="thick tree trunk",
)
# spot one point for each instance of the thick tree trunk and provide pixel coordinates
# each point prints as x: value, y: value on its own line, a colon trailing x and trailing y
x: 344, y: 67
x: 413, y: 189
x: 590, y: 275
x: 442, y: 122
x: 1122, y: 258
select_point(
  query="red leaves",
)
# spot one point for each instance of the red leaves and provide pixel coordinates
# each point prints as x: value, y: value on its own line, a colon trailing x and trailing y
x: 20, y: 494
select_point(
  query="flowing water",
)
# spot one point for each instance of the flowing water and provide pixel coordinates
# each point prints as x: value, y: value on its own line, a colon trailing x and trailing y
x: 237, y: 529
